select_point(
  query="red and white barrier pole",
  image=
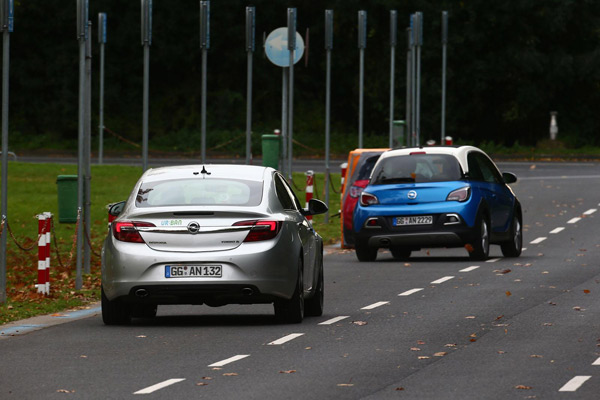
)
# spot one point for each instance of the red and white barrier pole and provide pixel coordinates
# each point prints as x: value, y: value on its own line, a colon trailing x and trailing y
x: 344, y: 167
x: 48, y: 239
x: 448, y: 140
x: 310, y: 181
x: 41, y: 285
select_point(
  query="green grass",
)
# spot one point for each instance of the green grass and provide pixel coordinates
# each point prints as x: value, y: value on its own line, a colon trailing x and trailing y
x: 32, y: 189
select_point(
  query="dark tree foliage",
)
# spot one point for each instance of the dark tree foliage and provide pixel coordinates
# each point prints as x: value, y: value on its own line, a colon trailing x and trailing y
x: 509, y: 64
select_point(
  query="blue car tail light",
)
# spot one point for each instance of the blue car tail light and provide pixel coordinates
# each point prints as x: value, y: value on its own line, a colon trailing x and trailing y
x: 368, y: 199
x: 460, y: 195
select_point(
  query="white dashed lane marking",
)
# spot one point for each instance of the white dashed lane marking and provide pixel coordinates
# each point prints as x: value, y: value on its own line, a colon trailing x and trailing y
x: 158, y: 386
x: 597, y: 362
x: 442, y: 280
x: 334, y: 320
x: 538, y: 240
x: 557, y: 230
x: 469, y: 269
x: 411, y: 291
x: 229, y: 360
x: 590, y: 211
x: 285, y: 339
x: 375, y: 305
x: 493, y: 260
x: 574, y: 383
x: 573, y: 220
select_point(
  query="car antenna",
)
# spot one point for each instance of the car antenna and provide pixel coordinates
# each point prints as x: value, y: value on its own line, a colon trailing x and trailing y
x: 204, y: 171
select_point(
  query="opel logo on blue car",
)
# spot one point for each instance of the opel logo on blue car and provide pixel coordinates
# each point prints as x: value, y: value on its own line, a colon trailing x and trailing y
x: 193, y: 227
x: 412, y: 195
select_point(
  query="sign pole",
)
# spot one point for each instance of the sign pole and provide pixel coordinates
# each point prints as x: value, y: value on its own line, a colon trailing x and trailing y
x: 87, y: 143
x: 250, y: 42
x: 328, y: 48
x: 146, y: 42
x: 284, y: 117
x: 408, y: 116
x: 393, y: 37
x: 419, y: 42
x: 291, y: 20
x: 6, y: 10
x: 204, y: 46
x: 82, y: 18
x: 444, y: 62
x: 101, y: 41
x: 362, y: 44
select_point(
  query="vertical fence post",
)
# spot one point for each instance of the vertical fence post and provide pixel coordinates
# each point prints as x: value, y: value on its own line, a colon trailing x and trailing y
x: 49, y: 222
x: 41, y: 282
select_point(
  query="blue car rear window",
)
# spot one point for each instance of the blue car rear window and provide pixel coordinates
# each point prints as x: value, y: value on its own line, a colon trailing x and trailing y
x: 417, y: 168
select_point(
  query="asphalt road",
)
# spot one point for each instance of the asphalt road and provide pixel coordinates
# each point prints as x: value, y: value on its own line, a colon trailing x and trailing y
x: 435, y: 327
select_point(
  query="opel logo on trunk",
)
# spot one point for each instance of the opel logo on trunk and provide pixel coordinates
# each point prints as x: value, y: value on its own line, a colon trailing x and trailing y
x: 412, y: 195
x: 193, y: 227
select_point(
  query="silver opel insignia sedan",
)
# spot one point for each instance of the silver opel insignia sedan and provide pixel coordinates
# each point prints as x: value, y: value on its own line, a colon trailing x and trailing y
x: 214, y: 235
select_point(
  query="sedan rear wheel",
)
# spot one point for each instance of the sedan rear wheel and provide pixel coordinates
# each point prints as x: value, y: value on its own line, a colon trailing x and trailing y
x: 364, y: 252
x: 292, y: 311
x: 481, y: 239
x: 314, y: 305
x: 115, y: 312
x: 513, y: 247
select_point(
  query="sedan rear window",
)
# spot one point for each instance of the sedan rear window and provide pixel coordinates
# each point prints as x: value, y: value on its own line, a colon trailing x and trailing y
x: 417, y: 168
x: 200, y: 192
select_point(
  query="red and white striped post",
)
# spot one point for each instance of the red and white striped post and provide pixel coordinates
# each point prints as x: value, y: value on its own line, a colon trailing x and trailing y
x: 310, y: 181
x: 344, y: 167
x: 44, y: 223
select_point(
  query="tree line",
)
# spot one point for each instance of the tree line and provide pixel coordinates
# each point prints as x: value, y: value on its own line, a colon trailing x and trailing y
x: 510, y: 63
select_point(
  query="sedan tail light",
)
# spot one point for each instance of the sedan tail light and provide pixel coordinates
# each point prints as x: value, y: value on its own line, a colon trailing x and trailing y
x: 357, y: 188
x: 460, y: 195
x: 126, y: 231
x: 261, y: 229
x: 368, y: 199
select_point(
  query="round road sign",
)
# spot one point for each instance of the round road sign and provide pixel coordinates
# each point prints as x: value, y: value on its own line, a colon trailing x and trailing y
x: 276, y: 47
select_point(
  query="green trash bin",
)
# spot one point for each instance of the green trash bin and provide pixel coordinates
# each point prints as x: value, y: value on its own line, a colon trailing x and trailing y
x: 270, y: 151
x: 67, y: 198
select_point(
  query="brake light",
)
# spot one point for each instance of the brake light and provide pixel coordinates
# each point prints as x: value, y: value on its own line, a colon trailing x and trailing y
x: 261, y: 229
x: 460, y: 195
x: 368, y: 199
x: 126, y: 231
x: 357, y: 188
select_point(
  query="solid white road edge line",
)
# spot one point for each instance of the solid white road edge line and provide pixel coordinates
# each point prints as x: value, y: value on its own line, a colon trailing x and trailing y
x: 158, y: 386
x: 557, y: 230
x: 334, y: 320
x: 442, y: 280
x: 285, y: 339
x: 469, y: 269
x: 229, y: 360
x: 538, y: 240
x: 574, y: 383
x: 411, y: 291
x: 375, y: 305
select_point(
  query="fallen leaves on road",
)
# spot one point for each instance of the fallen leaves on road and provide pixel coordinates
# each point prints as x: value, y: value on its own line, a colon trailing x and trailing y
x: 508, y: 293
x: 523, y: 387
x: 586, y: 291
x: 141, y: 336
x: 469, y: 248
x: 424, y: 357
x: 547, y: 324
x: 291, y: 371
x: 359, y: 323
x: 201, y: 384
x: 577, y: 308
x: 345, y: 384
x: 450, y: 345
x: 470, y: 317
x: 536, y: 356
x: 501, y: 352
x: 230, y: 374
x: 420, y: 342
x: 440, y: 354
x: 415, y: 349
x: 400, y: 388
x: 65, y: 391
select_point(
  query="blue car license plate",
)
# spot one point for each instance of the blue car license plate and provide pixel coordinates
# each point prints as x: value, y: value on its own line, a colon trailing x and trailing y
x: 416, y: 220
x: 193, y: 271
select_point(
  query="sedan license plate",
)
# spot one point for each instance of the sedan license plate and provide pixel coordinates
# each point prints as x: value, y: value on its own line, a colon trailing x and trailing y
x: 193, y: 271
x: 418, y: 220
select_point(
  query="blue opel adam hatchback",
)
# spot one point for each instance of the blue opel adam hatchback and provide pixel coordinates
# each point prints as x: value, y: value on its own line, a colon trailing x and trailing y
x: 437, y: 197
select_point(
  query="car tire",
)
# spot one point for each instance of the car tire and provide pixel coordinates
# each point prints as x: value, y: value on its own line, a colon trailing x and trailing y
x: 292, y: 311
x: 145, y: 310
x: 481, y: 239
x: 115, y: 312
x: 400, y: 252
x: 314, y: 306
x: 365, y: 253
x: 513, y: 247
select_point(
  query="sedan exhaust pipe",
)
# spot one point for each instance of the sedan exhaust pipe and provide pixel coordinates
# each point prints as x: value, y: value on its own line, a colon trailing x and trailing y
x: 247, y: 291
x: 141, y: 293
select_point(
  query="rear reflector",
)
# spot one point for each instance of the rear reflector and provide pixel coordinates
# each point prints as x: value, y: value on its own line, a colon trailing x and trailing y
x: 261, y: 229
